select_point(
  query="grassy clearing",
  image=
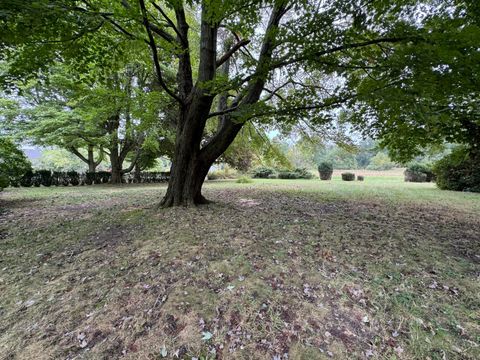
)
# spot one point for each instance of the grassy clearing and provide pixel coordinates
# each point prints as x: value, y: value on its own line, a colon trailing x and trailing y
x: 273, y: 269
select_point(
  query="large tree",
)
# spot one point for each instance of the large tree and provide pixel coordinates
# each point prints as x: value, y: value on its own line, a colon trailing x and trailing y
x: 235, y: 61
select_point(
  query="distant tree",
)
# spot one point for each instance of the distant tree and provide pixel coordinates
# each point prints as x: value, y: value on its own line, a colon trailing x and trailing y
x: 340, y: 157
x: 59, y: 159
x: 380, y: 161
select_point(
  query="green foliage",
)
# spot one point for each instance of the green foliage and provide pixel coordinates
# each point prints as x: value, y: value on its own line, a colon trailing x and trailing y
x: 380, y: 161
x: 299, y: 173
x: 425, y: 92
x: 45, y: 177
x: 360, y: 177
x: 348, y: 176
x: 325, y: 167
x: 417, y: 172
x: 4, y: 181
x: 74, y: 178
x: 459, y: 171
x: 13, y: 163
x: 60, y: 160
x: 263, y: 173
x: 325, y: 170
x: 341, y: 158
x: 27, y: 179
x: 244, y: 180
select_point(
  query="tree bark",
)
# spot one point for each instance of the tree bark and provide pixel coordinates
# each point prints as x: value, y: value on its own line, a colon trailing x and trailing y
x: 116, y: 164
x: 191, y: 162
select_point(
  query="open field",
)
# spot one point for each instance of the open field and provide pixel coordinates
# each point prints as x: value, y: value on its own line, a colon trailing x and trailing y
x: 276, y: 269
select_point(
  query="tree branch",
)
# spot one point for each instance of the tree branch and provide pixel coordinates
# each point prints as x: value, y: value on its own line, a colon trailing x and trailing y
x: 230, y: 52
x: 169, y: 21
x: 340, y: 48
x: 153, y: 48
x: 77, y: 153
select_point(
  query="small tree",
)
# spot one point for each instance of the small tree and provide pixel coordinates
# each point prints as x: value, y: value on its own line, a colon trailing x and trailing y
x: 325, y: 170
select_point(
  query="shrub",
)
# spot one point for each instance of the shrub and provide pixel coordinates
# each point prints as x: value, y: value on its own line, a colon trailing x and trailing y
x: 299, y: 173
x: 45, y: 177
x: 13, y: 162
x: 348, y: 176
x: 325, y: 170
x: 272, y: 176
x: 263, y: 173
x: 360, y: 177
x: 458, y: 171
x: 419, y: 173
x: 285, y: 174
x: 74, y: 178
x: 102, y: 177
x: 89, y: 178
x: 26, y: 180
x: 244, y: 180
x: 36, y: 179
x: 4, y: 181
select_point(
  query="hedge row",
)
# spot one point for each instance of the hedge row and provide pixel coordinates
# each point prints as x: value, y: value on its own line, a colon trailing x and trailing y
x: 56, y: 178
x: 269, y: 173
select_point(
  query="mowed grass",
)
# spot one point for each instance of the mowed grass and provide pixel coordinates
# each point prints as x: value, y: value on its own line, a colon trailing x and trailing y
x: 274, y: 269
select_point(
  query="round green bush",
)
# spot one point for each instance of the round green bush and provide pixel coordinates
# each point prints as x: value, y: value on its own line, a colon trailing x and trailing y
x: 348, y: 176
x: 325, y: 170
x: 459, y: 171
x: 360, y: 178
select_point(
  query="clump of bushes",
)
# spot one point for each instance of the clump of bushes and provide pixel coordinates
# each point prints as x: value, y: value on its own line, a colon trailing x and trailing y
x: 459, y: 171
x: 360, y: 178
x: 148, y: 177
x: 348, y: 176
x: 58, y: 178
x: 74, y: 178
x: 244, y: 180
x: 4, y: 181
x: 263, y: 173
x: 27, y: 179
x: 43, y: 177
x: 299, y: 173
x: 419, y: 173
x: 325, y: 170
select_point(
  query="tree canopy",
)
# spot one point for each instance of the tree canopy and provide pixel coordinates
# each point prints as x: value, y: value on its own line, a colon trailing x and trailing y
x: 272, y: 62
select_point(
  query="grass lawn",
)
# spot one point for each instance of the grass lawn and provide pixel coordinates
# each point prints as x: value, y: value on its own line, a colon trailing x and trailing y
x: 276, y: 269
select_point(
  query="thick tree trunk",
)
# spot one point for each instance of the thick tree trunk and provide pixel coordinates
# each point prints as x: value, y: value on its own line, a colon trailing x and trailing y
x: 116, y: 165
x: 191, y: 162
x: 92, y: 165
x: 185, y: 184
